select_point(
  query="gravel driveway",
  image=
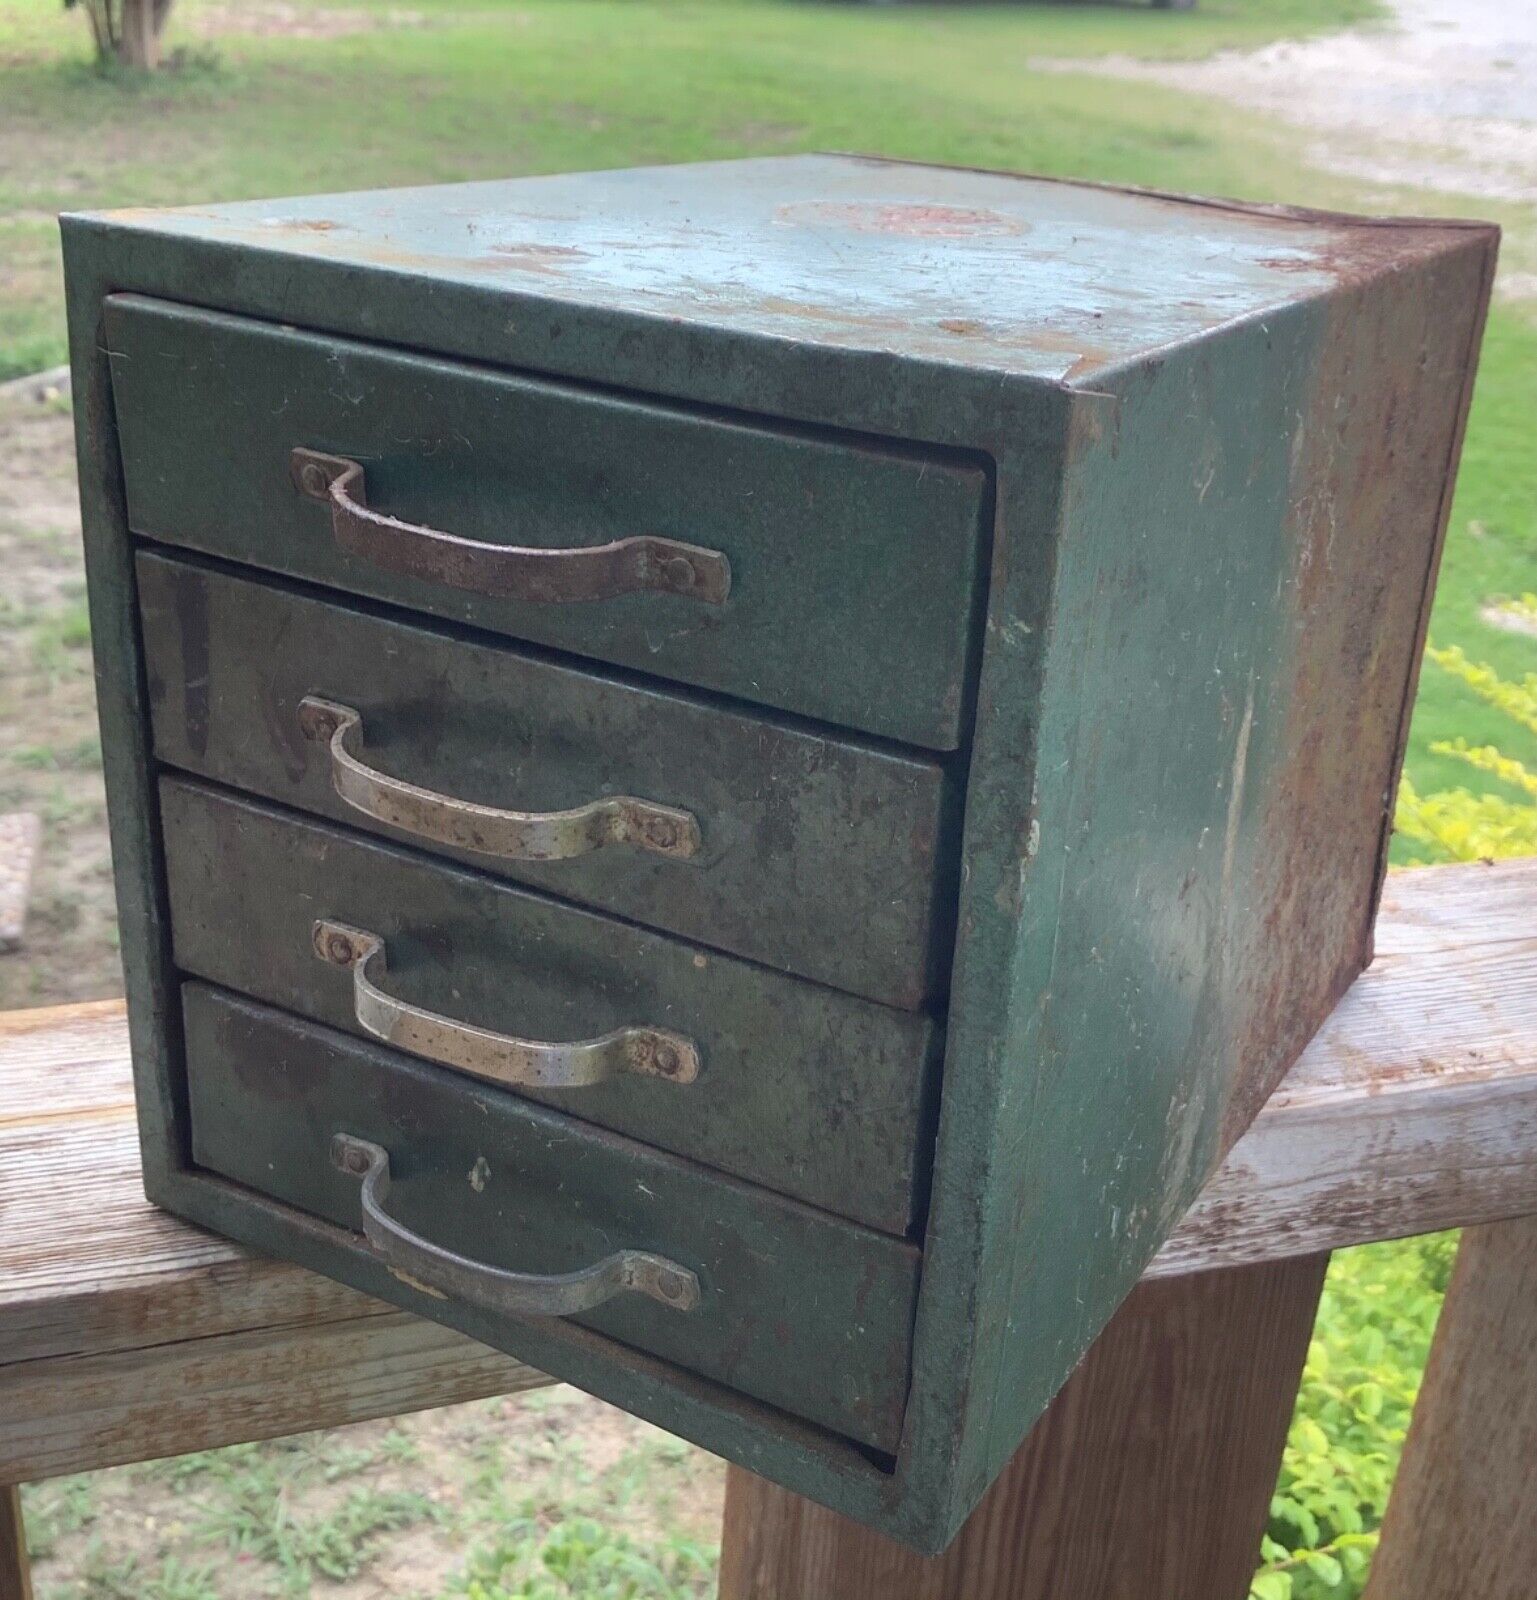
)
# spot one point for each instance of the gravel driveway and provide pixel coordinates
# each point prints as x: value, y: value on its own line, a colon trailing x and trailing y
x: 1443, y: 96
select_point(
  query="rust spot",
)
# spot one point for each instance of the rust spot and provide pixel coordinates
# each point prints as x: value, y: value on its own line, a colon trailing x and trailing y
x: 919, y: 221
x: 309, y: 225
x: 416, y: 1283
x: 815, y: 312
x: 1355, y: 254
x: 1366, y: 504
x: 964, y: 326
x: 537, y: 257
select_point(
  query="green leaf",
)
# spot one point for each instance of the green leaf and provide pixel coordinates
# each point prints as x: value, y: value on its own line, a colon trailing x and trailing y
x: 1271, y: 1586
x: 1311, y: 1437
x: 1325, y: 1568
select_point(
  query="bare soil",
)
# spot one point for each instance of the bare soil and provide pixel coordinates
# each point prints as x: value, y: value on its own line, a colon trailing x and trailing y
x: 1441, y: 96
x: 270, y: 1519
x: 273, y: 19
x: 50, y: 759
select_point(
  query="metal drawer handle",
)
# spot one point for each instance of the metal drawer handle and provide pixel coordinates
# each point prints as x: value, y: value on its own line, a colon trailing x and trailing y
x: 519, y: 572
x: 526, y: 1063
x: 512, y: 835
x: 424, y: 1265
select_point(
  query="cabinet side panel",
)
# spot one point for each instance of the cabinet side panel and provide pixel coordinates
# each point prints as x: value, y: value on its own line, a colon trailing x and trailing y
x: 1249, y: 527
x: 160, y: 1091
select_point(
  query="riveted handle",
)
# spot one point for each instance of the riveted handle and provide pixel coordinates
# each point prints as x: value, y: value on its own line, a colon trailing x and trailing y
x: 497, y: 1057
x: 644, y: 563
x: 487, y: 830
x: 424, y: 1265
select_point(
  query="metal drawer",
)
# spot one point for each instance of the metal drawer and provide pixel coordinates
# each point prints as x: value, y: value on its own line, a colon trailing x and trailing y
x: 799, y: 1088
x: 817, y: 855
x: 789, y: 1306
x: 818, y: 573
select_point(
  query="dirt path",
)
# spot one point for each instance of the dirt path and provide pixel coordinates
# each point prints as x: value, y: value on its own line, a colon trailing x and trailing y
x: 1443, y: 96
x: 50, y: 760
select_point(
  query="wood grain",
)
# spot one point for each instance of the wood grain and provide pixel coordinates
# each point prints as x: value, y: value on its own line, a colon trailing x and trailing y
x: 1414, y: 1109
x: 1451, y: 908
x: 15, y: 1565
x: 1149, y: 1478
x: 126, y: 1334
x: 1462, y: 1520
x: 166, y: 1400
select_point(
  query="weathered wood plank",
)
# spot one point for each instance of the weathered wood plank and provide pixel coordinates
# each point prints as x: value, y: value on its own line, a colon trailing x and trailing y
x: 86, y: 1263
x: 195, y: 1394
x: 1414, y: 1109
x: 126, y: 1334
x: 1149, y: 1478
x: 1460, y: 1522
x: 1450, y: 908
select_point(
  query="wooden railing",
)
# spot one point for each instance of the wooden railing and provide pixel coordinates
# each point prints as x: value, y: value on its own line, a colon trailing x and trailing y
x: 126, y: 1335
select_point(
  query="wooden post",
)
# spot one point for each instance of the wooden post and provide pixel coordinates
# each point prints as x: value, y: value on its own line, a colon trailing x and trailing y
x: 1462, y: 1520
x: 1149, y: 1478
x: 15, y: 1569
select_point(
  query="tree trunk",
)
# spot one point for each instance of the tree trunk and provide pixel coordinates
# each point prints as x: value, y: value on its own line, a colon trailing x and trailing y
x: 99, y: 14
x: 139, y: 40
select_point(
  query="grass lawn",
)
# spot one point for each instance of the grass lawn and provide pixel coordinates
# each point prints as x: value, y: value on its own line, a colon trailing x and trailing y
x: 545, y: 1496
x: 284, y: 96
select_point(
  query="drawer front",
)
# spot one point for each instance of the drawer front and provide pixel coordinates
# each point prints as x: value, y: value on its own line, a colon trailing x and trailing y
x: 794, y: 1308
x: 813, y: 854
x: 854, y: 571
x: 798, y: 1088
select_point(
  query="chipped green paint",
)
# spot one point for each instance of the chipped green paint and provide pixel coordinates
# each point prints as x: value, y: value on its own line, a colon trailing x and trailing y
x: 780, y: 876
x: 499, y: 459
x: 802, y: 1089
x: 1218, y: 444
x: 797, y: 1308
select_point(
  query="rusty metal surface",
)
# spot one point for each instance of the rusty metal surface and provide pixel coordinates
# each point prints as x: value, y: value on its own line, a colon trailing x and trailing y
x: 438, y: 1271
x: 635, y: 565
x: 1221, y: 444
x: 829, y: 535
x: 483, y: 1053
x: 1024, y: 275
x: 782, y: 875
x: 797, y: 1309
x: 489, y: 830
x: 1246, y: 551
x: 801, y: 1089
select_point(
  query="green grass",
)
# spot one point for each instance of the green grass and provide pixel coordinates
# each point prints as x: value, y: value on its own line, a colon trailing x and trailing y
x: 1491, y: 555
x: 547, y: 1496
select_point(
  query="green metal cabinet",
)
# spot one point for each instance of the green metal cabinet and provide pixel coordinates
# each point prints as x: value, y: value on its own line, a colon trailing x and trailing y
x: 736, y: 779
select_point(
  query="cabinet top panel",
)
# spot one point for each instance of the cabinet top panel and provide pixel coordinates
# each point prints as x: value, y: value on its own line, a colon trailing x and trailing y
x: 1028, y: 276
